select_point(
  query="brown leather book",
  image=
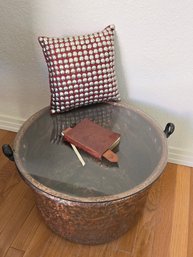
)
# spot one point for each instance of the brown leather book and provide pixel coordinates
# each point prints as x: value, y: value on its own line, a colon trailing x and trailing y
x: 92, y: 138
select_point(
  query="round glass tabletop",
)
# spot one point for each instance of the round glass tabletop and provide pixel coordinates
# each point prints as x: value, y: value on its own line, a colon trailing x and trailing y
x: 50, y: 164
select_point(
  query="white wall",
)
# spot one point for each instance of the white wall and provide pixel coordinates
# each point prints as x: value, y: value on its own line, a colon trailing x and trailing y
x: 154, y: 45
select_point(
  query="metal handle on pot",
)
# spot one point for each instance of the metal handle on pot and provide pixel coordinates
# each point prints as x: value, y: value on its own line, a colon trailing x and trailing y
x: 169, y: 129
x: 8, y: 152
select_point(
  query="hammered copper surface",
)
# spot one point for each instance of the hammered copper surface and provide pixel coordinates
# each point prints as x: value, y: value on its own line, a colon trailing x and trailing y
x: 96, y: 203
x: 90, y: 223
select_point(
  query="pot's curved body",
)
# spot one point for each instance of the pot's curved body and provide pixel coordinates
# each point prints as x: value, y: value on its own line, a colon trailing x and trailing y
x: 99, y: 202
x: 90, y: 223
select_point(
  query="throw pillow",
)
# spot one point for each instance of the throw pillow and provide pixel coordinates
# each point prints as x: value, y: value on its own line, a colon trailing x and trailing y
x: 81, y: 69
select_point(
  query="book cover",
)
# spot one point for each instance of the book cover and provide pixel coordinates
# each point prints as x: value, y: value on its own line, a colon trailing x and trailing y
x: 92, y: 138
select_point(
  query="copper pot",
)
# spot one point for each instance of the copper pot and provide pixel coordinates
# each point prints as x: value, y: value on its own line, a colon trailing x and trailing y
x: 99, y: 202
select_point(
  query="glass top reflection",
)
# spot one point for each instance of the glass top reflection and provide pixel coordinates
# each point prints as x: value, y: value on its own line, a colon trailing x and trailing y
x: 53, y: 163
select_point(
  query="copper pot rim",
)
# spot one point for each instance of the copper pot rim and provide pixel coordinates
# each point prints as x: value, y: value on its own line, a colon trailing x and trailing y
x: 139, y: 188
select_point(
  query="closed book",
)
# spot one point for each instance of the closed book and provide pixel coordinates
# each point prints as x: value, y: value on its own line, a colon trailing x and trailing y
x: 92, y: 138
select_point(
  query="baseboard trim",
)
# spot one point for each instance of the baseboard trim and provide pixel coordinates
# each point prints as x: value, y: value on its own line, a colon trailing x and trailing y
x: 10, y: 123
x: 180, y: 156
x: 176, y: 155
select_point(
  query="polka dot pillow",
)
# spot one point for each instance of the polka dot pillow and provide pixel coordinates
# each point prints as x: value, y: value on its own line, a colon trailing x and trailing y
x: 81, y: 69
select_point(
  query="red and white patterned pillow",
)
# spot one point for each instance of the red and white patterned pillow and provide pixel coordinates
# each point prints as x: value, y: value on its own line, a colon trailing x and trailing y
x: 81, y: 69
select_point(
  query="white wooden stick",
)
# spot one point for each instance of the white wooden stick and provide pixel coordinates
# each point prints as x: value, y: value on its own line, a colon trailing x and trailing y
x: 78, y: 154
